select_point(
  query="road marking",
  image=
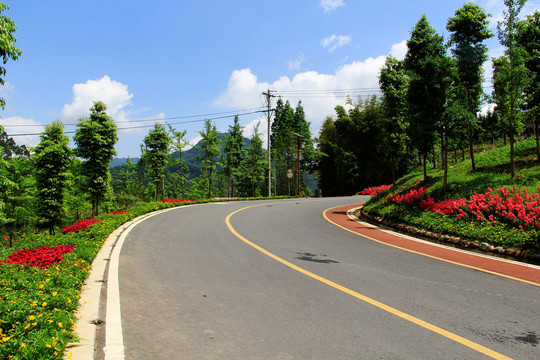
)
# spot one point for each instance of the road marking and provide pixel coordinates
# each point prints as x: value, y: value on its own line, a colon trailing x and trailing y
x: 427, y: 255
x: 468, y: 343
x: 114, y: 340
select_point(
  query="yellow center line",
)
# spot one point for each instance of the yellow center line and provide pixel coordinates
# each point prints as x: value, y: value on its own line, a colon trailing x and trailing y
x: 378, y: 304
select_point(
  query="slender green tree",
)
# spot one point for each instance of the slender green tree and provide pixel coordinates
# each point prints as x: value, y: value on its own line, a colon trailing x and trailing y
x: 469, y: 28
x: 179, y: 144
x: 501, y: 93
x: 516, y: 75
x: 210, y: 146
x: 328, y: 148
x: 95, y: 138
x: 234, y: 154
x: 529, y: 39
x: 8, y: 50
x: 255, y: 164
x: 157, y: 151
x: 283, y: 145
x: 393, y: 83
x: 52, y: 160
x: 426, y: 64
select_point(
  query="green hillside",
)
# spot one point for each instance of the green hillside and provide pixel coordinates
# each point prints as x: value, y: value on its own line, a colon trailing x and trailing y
x: 503, y: 216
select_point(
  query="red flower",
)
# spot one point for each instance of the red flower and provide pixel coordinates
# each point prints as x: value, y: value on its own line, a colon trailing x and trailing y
x: 374, y: 190
x: 42, y: 257
x: 80, y: 225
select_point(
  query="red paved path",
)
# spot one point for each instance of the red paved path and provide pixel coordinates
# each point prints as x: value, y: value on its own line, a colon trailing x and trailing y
x: 338, y: 215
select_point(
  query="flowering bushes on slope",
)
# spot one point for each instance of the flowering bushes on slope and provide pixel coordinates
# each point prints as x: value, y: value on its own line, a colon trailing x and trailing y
x: 80, y: 225
x: 374, y: 190
x: 42, y: 257
x: 516, y: 208
x: 412, y: 197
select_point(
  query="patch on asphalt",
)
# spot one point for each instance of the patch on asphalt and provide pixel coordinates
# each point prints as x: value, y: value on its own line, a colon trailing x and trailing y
x: 323, y: 259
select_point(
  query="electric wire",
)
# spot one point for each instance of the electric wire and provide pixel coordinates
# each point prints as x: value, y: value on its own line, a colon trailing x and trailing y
x: 149, y: 126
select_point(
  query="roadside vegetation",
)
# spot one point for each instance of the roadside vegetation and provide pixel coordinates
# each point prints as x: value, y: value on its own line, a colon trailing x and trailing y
x: 485, y: 205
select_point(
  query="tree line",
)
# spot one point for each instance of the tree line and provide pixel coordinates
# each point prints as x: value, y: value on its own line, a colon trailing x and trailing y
x: 431, y: 100
x: 51, y: 185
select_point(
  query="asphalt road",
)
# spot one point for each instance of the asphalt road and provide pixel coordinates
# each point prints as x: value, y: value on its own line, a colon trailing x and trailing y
x: 191, y: 289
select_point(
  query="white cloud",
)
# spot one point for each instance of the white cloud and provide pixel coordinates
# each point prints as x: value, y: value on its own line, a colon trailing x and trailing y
x: 399, y: 50
x: 295, y: 65
x: 244, y: 89
x: 113, y: 93
x: 330, y: 5
x: 335, y: 41
x: 17, y: 125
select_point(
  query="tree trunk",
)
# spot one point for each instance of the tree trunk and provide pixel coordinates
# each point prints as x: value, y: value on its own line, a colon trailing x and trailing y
x: 512, y: 162
x: 425, y: 166
x: 471, y: 146
x: 445, y: 160
x: 537, y: 140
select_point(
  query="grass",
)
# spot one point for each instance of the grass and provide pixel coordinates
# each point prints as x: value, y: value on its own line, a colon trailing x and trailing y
x: 493, y: 171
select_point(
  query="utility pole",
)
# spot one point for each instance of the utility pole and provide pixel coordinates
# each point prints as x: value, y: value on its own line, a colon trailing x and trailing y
x: 269, y: 95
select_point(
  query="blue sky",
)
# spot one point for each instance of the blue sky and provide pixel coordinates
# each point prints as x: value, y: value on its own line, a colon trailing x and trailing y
x: 171, y: 59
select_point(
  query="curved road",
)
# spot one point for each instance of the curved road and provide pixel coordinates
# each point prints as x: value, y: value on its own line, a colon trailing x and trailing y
x: 276, y: 280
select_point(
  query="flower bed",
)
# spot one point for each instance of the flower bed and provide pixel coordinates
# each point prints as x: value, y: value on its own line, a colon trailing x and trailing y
x: 177, y: 200
x: 514, y: 214
x: 117, y: 213
x: 374, y: 190
x: 42, y: 257
x: 80, y: 225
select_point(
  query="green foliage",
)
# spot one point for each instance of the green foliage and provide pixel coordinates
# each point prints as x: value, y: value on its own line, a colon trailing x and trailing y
x: 253, y: 167
x: 234, y: 155
x: 8, y: 50
x: 469, y: 28
x: 95, y: 139
x: 179, y: 143
x: 514, y: 74
x: 157, y: 151
x: 210, y: 146
x: 428, y: 68
x: 289, y: 131
x: 52, y: 160
x: 393, y: 124
x: 529, y: 40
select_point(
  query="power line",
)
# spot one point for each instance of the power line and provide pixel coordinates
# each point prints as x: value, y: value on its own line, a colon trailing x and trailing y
x: 148, y: 126
x: 146, y: 120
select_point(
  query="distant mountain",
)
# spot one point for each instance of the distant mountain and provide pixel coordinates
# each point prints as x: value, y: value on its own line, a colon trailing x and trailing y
x: 121, y: 161
x: 189, y: 157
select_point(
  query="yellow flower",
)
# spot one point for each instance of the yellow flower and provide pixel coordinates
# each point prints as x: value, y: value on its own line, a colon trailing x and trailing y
x: 54, y: 293
x: 60, y: 325
x: 48, y: 346
x: 22, y: 345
